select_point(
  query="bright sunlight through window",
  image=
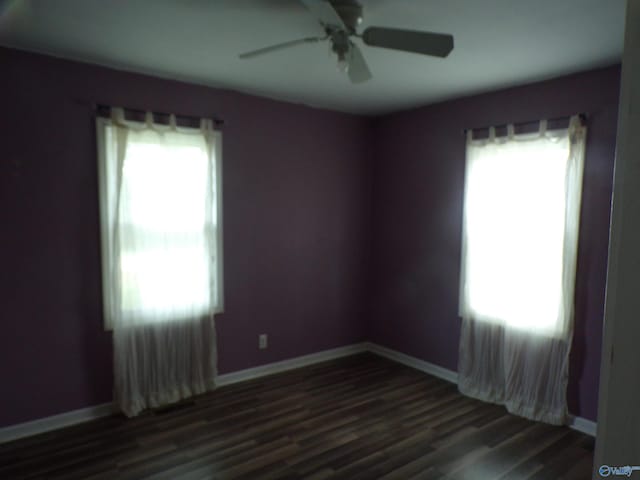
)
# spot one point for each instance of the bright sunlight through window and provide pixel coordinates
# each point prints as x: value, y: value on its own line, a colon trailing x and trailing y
x: 515, y: 204
x: 160, y: 204
x: 167, y: 265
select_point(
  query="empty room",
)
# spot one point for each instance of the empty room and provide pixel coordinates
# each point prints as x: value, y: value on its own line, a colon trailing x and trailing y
x: 319, y: 239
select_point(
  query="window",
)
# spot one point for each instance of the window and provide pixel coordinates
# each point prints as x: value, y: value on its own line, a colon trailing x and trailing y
x: 160, y: 212
x: 521, y: 213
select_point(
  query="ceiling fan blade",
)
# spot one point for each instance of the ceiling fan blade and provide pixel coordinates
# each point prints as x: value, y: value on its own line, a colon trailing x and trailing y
x: 280, y: 46
x: 358, y: 69
x: 427, y: 43
x: 324, y: 12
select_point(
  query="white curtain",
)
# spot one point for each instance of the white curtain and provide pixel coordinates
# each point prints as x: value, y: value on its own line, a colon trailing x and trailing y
x: 162, y: 263
x: 520, y: 242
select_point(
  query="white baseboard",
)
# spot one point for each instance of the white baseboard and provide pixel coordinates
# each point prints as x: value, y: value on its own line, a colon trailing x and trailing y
x: 430, y: 368
x: 576, y: 423
x: 67, y: 419
x: 583, y: 425
x: 289, y: 364
x: 55, y: 422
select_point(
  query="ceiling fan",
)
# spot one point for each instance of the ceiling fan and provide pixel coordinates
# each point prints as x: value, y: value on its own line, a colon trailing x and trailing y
x: 339, y: 19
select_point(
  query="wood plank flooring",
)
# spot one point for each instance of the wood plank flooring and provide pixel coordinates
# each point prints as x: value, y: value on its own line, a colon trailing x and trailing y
x: 360, y: 417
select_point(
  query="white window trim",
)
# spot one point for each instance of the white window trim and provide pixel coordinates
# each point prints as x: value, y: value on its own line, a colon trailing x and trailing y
x: 101, y: 124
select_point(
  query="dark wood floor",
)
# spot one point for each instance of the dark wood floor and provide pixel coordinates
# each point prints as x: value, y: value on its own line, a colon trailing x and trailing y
x: 361, y: 417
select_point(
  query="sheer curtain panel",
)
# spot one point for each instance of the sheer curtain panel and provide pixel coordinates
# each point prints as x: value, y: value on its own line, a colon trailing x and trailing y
x: 520, y: 243
x: 161, y: 256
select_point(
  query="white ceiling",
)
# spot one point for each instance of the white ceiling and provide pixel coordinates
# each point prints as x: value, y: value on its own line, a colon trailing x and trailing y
x: 498, y: 43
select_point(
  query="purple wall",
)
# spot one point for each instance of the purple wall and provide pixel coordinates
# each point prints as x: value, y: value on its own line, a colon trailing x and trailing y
x: 418, y: 182
x: 308, y: 254
x: 296, y: 200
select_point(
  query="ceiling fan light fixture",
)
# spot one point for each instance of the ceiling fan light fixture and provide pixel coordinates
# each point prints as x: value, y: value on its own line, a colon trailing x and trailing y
x: 343, y: 63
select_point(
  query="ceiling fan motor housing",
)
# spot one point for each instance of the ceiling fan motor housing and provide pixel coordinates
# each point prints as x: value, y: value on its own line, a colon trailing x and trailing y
x: 350, y: 11
x: 340, y: 43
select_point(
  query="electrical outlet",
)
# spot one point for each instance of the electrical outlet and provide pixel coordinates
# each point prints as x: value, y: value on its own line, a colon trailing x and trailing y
x: 262, y: 341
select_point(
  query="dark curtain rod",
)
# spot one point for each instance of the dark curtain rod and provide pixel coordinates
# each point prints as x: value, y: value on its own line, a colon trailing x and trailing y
x: 583, y: 119
x: 103, y: 107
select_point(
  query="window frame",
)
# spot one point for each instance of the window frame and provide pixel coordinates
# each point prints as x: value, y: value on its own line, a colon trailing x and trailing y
x: 576, y: 133
x: 102, y: 124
